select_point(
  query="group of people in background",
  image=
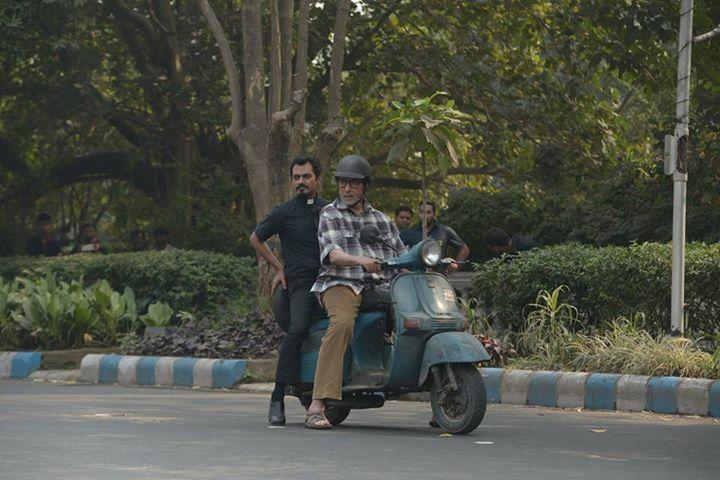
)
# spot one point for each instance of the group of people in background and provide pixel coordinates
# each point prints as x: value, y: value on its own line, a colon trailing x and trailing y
x: 44, y: 243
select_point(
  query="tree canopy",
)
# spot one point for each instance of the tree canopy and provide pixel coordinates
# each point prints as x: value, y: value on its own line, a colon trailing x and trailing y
x: 121, y: 112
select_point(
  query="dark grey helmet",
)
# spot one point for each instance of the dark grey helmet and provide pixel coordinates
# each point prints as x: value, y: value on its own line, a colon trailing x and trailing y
x: 353, y: 166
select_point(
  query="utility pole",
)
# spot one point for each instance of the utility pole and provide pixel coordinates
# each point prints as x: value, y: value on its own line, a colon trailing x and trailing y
x: 676, y: 150
x: 676, y: 165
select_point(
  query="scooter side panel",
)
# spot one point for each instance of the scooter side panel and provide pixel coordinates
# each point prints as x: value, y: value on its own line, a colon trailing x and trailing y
x: 365, y: 352
x: 451, y: 347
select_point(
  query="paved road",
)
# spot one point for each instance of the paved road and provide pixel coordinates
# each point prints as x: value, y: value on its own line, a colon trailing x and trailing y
x: 106, y: 432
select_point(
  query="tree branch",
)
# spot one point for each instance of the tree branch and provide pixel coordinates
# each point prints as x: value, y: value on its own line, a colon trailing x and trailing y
x: 275, y: 103
x: 233, y: 131
x: 95, y: 166
x: 123, y: 12
x: 707, y: 36
x: 301, y: 60
x: 286, y: 34
x: 336, y: 58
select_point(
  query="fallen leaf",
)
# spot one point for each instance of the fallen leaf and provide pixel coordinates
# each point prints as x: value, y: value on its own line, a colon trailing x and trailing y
x: 598, y: 430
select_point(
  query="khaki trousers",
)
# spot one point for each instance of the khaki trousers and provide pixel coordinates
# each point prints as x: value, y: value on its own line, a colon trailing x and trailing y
x: 342, y: 306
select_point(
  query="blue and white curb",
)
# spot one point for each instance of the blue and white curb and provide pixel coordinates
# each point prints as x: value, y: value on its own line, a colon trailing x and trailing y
x: 604, y: 391
x: 162, y: 371
x: 19, y: 364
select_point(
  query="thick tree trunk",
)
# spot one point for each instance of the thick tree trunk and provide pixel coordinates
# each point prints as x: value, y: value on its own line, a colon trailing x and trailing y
x: 255, y: 134
x: 335, y: 126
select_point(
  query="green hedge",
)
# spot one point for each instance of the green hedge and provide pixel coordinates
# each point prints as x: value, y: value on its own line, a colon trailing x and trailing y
x: 186, y: 279
x: 605, y: 283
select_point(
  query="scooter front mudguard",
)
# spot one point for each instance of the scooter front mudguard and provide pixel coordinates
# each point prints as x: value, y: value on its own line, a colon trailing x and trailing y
x: 451, y: 347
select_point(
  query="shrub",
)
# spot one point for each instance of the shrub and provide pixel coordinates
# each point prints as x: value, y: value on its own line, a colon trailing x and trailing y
x: 184, y: 279
x: 251, y: 335
x: 47, y: 313
x: 548, y: 341
x: 604, y: 283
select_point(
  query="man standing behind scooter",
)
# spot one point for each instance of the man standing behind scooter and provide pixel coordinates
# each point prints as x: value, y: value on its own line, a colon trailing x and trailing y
x: 348, y: 267
x: 296, y: 223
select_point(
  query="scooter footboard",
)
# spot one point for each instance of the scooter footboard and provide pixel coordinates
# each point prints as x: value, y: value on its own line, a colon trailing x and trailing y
x: 451, y: 347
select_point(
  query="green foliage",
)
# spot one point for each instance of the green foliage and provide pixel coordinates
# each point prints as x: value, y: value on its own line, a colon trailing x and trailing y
x: 47, y: 313
x: 604, y: 283
x: 186, y: 280
x: 427, y: 128
x: 159, y: 314
x: 549, y: 341
x: 549, y: 330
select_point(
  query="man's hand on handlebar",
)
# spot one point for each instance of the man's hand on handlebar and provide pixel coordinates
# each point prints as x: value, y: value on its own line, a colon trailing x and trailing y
x: 368, y: 264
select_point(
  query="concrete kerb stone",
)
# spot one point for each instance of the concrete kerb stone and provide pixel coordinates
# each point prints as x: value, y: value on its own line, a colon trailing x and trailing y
x: 662, y: 394
x: 19, y: 364
x: 164, y: 371
x: 632, y: 393
x: 492, y: 377
x: 571, y: 389
x: 515, y: 386
x: 542, y: 389
x: 693, y: 396
x: 203, y: 373
x: 714, y: 399
x: 90, y: 367
x: 126, y: 370
x: 600, y: 391
x: 6, y: 364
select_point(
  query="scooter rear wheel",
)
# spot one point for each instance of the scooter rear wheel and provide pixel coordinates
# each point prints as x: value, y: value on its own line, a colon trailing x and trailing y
x: 460, y: 411
x: 336, y: 414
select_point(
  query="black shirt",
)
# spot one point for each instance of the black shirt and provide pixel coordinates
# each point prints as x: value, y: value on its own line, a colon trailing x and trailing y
x: 35, y: 248
x: 296, y: 222
x: 442, y: 233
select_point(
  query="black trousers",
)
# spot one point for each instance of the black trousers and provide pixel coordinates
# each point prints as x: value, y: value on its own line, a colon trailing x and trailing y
x: 301, y: 307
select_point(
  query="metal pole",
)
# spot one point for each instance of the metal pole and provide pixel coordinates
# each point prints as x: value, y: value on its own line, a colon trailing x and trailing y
x: 682, y: 130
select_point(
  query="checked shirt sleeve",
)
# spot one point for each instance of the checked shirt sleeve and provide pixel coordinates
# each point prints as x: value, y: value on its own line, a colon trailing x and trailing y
x: 329, y: 237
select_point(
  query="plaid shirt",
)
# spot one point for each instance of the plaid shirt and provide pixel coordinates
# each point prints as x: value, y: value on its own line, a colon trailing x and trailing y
x: 339, y: 228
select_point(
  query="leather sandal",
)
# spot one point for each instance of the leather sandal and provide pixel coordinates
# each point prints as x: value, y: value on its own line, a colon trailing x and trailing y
x: 317, y: 421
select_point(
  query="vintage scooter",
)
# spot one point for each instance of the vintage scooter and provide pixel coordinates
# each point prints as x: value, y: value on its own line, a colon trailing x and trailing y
x: 408, y: 337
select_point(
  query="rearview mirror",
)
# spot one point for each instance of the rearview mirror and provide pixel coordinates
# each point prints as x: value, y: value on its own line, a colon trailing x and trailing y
x: 369, y: 234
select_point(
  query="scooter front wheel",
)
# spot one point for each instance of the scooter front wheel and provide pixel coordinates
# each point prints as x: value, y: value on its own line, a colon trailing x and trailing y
x: 459, y: 410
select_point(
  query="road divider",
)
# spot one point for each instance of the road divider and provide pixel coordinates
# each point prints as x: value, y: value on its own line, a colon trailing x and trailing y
x: 19, y: 364
x: 162, y: 371
x: 591, y: 391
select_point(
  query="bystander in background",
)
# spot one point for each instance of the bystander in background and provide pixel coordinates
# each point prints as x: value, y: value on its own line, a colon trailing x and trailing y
x: 43, y: 243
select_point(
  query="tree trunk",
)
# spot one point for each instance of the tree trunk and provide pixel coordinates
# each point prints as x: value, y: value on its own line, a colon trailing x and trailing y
x: 335, y: 126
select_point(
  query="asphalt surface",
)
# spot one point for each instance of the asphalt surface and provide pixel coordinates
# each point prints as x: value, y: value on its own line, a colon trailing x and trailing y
x: 60, y: 431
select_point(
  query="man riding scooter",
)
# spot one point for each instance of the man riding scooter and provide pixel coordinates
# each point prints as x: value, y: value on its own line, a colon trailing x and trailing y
x: 347, y: 268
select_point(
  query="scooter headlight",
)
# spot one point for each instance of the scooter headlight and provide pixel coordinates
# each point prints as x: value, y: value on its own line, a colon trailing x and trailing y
x: 430, y: 252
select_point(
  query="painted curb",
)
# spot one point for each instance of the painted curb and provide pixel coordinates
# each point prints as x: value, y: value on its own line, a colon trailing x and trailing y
x: 542, y: 389
x: 19, y: 364
x: 693, y: 396
x: 662, y: 394
x: 162, y: 371
x: 600, y: 391
x: 492, y: 378
x: 593, y: 391
x: 571, y: 390
x: 515, y: 386
x: 631, y: 393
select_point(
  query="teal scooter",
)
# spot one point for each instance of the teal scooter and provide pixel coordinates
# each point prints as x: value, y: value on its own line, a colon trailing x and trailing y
x: 409, y: 336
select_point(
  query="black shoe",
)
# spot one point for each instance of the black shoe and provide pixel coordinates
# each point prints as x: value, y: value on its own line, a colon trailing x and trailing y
x: 276, y: 414
x: 433, y: 423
